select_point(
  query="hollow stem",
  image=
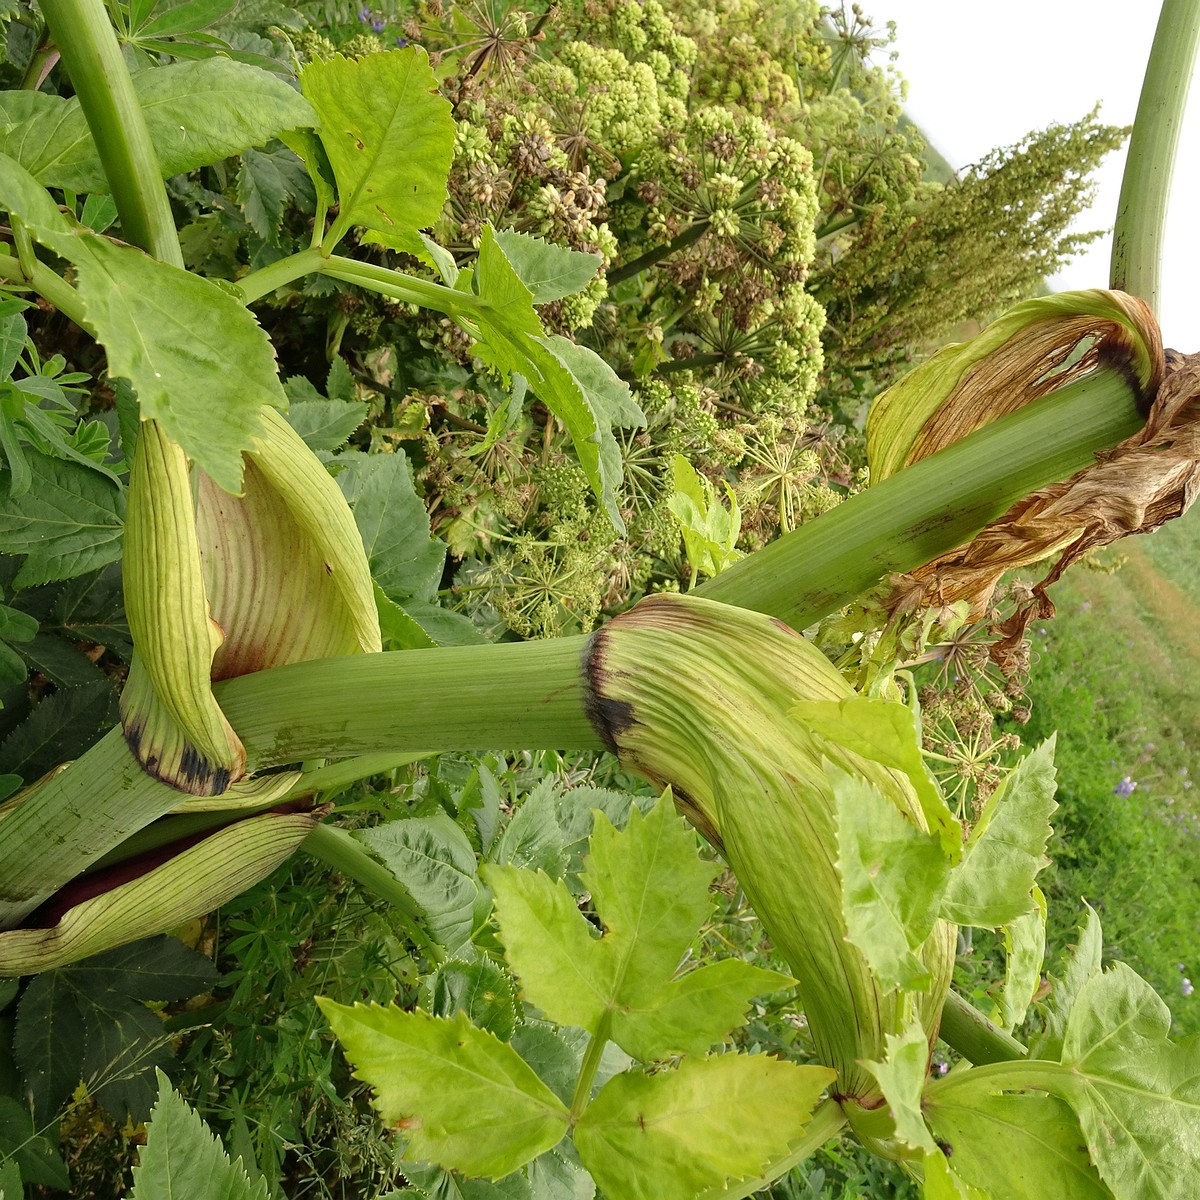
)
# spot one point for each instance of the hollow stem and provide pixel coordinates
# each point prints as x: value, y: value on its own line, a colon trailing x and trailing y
x: 92, y: 56
x: 265, y: 280
x: 1145, y: 188
x: 975, y: 1037
x: 931, y: 507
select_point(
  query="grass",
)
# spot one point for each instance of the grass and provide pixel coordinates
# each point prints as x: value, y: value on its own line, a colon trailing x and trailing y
x: 1116, y: 675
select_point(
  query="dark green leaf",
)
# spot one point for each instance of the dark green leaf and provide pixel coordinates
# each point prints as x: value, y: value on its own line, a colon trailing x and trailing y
x: 405, y: 561
x: 69, y: 522
x: 549, y: 272
x: 49, y: 1043
x: 13, y: 332
x: 169, y: 18
x: 22, y: 1143
x: 479, y: 989
x: 551, y: 1054
x: 156, y: 968
x: 267, y: 179
x: 90, y: 609
x: 465, y: 1099
x: 532, y: 839
x: 60, y: 728
x: 10, y: 1180
x: 126, y: 1046
x: 182, y: 1158
x: 60, y: 661
x: 197, y: 113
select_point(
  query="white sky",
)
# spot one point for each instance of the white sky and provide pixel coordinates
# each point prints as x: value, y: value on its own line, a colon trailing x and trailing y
x: 982, y: 75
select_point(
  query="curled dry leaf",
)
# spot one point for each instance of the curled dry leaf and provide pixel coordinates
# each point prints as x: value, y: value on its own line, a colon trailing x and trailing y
x: 1145, y: 481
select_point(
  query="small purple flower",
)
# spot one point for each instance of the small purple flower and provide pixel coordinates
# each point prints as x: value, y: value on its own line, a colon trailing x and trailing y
x: 939, y: 1067
x: 1185, y: 987
x: 379, y: 24
x: 402, y: 42
x: 1125, y: 788
x: 364, y: 15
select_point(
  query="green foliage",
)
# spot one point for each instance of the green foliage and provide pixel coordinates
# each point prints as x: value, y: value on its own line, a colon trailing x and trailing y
x: 181, y: 1157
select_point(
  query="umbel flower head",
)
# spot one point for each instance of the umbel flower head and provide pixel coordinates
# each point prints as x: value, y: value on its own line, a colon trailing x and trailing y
x: 218, y: 585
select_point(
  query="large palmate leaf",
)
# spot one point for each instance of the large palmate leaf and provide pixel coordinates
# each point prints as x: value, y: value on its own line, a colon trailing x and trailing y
x: 390, y: 140
x: 668, y: 1136
x: 650, y: 892
x: 197, y: 113
x: 463, y: 1098
x: 1007, y: 848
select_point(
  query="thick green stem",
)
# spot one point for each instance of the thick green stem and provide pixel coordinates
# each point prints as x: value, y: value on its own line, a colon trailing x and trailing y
x: 975, y: 1037
x: 514, y: 694
x: 931, y: 507
x: 266, y: 279
x: 589, y: 1067
x: 826, y: 1123
x: 92, y: 56
x: 1145, y: 188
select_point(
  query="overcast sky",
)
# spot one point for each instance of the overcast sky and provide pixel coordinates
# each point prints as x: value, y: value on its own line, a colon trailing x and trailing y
x: 984, y: 75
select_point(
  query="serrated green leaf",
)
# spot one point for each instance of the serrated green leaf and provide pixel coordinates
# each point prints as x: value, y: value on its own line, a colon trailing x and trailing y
x: 550, y: 272
x: 182, y: 1157
x: 170, y: 18
x: 49, y: 1043
x: 501, y: 288
x: 549, y: 945
x: 902, y: 1077
x: 650, y: 891
x: 69, y: 522
x: 893, y: 875
x: 389, y: 136
x: 60, y: 661
x: 126, y: 1048
x: 406, y: 562
x: 90, y: 609
x: 554, y: 1054
x: 480, y: 989
x: 24, y: 1144
x: 197, y: 113
x: 324, y: 424
x: 672, y: 1135
x: 60, y: 727
x: 434, y: 860
x: 533, y: 839
x: 465, y: 1099
x: 1082, y: 963
x: 889, y: 733
x: 1024, y: 950
x: 991, y: 886
x: 695, y: 1012
x: 552, y: 1177
x: 144, y: 313
x: 152, y: 969
x: 266, y: 180
x: 11, y: 1187
x: 1030, y: 1144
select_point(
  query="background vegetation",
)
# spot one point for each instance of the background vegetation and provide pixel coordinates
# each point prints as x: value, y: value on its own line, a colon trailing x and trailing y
x: 774, y: 245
